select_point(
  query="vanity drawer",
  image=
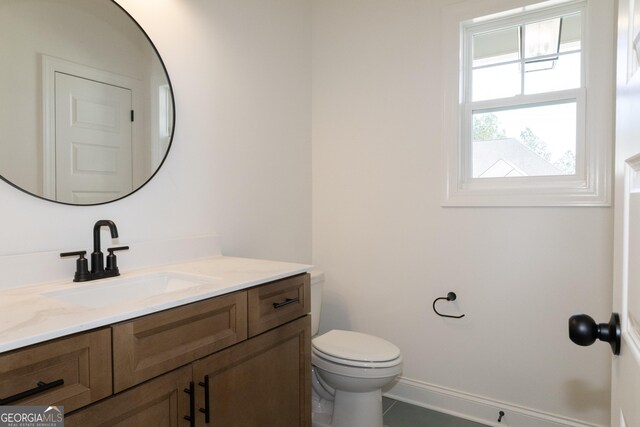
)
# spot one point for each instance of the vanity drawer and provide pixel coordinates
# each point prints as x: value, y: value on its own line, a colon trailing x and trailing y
x: 82, y: 362
x: 152, y: 345
x: 278, y: 302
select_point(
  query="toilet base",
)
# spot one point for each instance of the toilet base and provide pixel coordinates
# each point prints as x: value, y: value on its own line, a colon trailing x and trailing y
x: 357, y: 409
x: 321, y: 420
x: 352, y: 410
x: 321, y: 410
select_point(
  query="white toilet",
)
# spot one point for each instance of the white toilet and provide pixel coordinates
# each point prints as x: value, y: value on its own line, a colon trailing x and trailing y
x: 349, y: 371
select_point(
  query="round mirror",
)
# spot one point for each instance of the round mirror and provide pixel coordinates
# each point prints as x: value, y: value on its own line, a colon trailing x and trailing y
x: 86, y: 105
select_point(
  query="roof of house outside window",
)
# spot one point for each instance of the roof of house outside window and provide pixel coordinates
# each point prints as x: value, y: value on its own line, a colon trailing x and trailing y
x: 508, y: 157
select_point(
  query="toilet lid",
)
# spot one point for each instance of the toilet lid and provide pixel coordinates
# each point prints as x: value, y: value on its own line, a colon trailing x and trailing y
x: 355, y: 346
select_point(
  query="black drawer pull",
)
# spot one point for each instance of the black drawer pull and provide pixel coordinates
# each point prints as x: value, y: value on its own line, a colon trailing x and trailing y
x: 192, y: 405
x: 42, y: 386
x: 285, y: 302
x: 206, y: 410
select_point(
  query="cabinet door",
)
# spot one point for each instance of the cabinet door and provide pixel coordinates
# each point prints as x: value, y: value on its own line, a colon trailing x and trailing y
x: 157, y: 343
x: 159, y: 402
x: 264, y: 381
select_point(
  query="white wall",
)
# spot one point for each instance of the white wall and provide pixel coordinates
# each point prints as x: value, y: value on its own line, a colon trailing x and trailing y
x: 239, y: 166
x: 389, y: 249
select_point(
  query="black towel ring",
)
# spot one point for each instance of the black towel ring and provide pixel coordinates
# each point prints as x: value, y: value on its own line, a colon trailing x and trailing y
x: 451, y: 296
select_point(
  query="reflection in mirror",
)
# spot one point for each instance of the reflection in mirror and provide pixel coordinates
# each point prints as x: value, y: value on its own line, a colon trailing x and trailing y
x: 86, y: 106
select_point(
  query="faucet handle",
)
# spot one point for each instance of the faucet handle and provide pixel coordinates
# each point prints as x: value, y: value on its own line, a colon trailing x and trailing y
x: 112, y: 262
x: 81, y: 254
x: 82, y: 265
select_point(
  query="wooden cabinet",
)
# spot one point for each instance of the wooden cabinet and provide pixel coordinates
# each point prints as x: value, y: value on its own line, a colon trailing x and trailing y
x: 151, y: 345
x: 278, y: 302
x: 159, y: 402
x: 72, y: 371
x: 242, y: 359
x: 264, y: 381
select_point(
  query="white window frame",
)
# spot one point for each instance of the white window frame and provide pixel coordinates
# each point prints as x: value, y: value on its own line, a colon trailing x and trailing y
x: 591, y: 185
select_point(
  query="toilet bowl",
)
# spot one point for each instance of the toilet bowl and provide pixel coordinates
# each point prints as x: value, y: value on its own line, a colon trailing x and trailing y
x: 349, y: 371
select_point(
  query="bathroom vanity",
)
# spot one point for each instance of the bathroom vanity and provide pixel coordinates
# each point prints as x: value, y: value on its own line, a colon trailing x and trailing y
x: 231, y: 350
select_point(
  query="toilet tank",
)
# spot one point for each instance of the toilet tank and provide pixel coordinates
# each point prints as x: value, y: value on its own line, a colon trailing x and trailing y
x: 317, y: 280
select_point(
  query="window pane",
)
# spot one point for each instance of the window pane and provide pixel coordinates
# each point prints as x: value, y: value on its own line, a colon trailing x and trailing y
x: 499, y: 81
x: 571, y: 34
x: 525, y: 141
x: 496, y: 46
x: 541, y: 38
x: 554, y: 74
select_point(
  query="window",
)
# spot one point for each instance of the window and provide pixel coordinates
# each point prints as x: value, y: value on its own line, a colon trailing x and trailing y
x: 533, y: 122
x: 164, y: 124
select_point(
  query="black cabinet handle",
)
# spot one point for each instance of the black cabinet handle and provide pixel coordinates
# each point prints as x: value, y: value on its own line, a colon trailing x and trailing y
x: 206, y: 410
x: 192, y: 405
x: 41, y: 387
x: 285, y: 302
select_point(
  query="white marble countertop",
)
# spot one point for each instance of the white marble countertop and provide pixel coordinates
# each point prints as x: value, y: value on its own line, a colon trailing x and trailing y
x: 28, y: 316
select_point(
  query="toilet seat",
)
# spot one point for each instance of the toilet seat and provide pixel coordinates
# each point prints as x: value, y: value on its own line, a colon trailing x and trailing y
x: 356, y: 349
x: 355, y: 363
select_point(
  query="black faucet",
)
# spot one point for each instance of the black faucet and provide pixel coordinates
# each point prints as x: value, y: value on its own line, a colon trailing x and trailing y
x: 98, y: 271
x: 97, y: 259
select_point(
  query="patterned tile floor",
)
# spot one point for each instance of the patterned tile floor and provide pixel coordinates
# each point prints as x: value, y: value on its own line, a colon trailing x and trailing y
x: 400, y: 414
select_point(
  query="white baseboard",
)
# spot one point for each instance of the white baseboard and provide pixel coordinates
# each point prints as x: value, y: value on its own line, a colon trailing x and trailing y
x: 475, y: 408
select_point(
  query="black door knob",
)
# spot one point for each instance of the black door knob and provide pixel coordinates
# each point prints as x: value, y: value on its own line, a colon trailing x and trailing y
x: 584, y: 331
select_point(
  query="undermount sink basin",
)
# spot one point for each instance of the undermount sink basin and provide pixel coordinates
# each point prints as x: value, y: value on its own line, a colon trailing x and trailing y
x: 102, y: 293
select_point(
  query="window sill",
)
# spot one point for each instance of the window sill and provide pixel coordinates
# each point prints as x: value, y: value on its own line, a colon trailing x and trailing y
x: 553, y: 194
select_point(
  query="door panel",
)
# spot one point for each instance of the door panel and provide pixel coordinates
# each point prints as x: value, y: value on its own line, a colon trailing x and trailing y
x: 626, y: 368
x: 625, y: 375
x: 631, y: 310
x: 93, y: 140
